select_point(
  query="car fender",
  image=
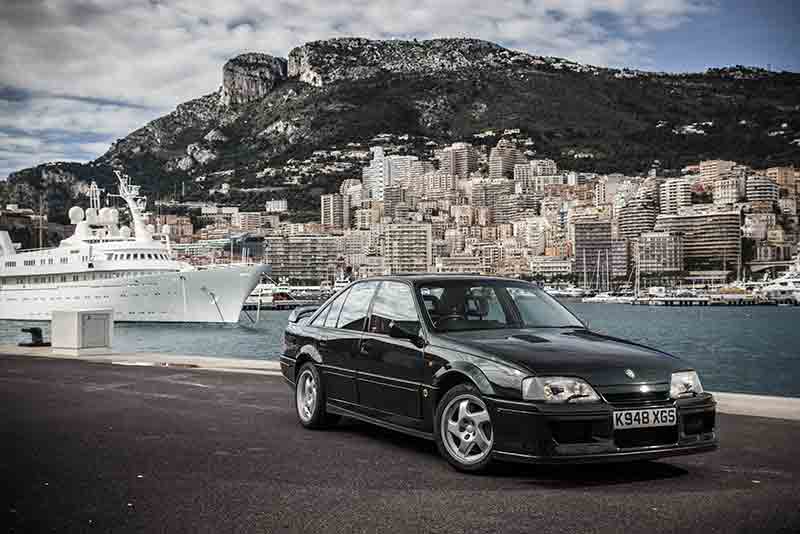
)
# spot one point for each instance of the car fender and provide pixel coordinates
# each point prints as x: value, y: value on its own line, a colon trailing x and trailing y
x: 308, y: 352
x: 468, y: 370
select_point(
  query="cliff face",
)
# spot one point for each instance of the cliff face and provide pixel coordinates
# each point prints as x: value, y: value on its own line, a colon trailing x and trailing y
x: 249, y: 77
x: 270, y: 111
x: 321, y: 63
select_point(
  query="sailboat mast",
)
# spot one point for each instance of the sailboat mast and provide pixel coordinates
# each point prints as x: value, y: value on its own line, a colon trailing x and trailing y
x: 585, y: 285
x: 597, y: 273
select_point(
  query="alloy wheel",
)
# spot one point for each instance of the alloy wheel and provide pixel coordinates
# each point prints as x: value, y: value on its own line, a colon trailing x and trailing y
x: 306, y: 395
x: 467, y: 429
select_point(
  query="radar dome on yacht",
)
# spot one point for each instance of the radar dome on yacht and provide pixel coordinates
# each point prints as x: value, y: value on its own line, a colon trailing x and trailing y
x: 125, y: 232
x: 91, y: 215
x: 114, y: 217
x: 104, y: 215
x: 82, y: 230
x: 75, y: 214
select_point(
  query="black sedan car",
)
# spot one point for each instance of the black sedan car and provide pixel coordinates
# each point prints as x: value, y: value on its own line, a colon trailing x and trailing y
x: 490, y: 368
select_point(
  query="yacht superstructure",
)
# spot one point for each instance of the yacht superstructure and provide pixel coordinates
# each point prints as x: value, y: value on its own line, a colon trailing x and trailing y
x: 104, y: 265
x: 784, y: 287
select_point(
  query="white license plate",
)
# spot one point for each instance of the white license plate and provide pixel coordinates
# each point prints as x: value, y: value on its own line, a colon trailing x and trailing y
x: 649, y: 417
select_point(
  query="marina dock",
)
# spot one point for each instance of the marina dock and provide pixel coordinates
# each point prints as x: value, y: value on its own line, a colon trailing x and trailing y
x: 717, y: 300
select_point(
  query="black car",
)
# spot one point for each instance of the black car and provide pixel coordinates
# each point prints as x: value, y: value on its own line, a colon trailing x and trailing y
x: 490, y: 368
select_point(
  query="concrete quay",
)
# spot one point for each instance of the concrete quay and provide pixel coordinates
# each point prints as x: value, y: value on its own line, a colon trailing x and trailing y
x: 121, y: 448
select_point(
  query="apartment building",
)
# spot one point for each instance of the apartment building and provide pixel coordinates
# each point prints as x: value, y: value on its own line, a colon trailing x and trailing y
x: 711, y: 235
x: 334, y: 211
x: 674, y: 195
x: 637, y: 216
x: 458, y: 159
x: 503, y: 158
x: 276, y: 206
x: 761, y: 189
x: 306, y: 258
x: 408, y: 248
x: 592, y: 243
x: 659, y: 252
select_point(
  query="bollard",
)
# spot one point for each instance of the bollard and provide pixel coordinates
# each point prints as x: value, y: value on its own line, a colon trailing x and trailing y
x: 37, y: 340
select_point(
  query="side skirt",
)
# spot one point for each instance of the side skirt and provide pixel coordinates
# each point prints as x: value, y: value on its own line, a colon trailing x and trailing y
x: 335, y: 409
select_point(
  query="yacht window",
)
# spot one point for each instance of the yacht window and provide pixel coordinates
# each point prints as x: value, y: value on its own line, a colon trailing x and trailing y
x: 127, y: 256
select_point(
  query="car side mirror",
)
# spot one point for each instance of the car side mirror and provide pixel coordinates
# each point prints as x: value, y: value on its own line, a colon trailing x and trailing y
x: 396, y: 331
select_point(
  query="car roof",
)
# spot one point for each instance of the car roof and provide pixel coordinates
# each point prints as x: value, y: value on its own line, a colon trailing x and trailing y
x: 440, y: 277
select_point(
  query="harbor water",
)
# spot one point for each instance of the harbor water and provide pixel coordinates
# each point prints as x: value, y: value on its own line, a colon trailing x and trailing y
x: 736, y: 349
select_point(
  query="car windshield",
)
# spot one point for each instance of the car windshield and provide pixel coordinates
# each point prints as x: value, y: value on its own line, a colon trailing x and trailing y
x: 458, y: 305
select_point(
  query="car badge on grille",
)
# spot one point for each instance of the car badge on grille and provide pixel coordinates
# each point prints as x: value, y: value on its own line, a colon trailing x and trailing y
x: 629, y: 373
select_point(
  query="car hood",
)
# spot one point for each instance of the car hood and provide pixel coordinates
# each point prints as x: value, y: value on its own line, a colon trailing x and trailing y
x: 601, y: 360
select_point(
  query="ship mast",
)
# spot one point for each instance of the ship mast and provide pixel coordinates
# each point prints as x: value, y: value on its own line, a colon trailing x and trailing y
x: 136, y: 204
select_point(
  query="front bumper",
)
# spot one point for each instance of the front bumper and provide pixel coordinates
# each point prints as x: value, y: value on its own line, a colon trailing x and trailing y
x: 530, y: 432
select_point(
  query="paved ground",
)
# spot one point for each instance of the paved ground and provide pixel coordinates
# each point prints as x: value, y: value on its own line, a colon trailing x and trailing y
x: 98, y: 448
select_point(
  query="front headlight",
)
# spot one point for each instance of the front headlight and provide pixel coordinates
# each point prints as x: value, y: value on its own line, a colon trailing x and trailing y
x: 685, y: 384
x: 558, y: 389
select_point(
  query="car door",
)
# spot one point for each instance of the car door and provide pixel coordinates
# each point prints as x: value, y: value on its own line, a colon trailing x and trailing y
x: 342, y: 328
x: 390, y: 369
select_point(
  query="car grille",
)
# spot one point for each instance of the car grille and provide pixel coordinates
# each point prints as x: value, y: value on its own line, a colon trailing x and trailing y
x: 645, y: 437
x: 571, y: 432
x: 633, y: 395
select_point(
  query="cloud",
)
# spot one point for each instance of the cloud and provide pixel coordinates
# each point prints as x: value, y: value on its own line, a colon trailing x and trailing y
x: 106, y: 67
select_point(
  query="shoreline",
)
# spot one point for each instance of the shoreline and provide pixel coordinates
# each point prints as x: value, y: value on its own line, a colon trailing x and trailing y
x: 768, y: 406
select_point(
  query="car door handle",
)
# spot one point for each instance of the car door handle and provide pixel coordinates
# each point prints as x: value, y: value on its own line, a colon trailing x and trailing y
x: 323, y: 342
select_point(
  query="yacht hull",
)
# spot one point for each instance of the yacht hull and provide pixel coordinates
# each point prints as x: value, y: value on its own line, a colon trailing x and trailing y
x: 211, y: 295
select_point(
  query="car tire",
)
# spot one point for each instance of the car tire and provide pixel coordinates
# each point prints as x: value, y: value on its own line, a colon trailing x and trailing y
x: 463, y: 431
x: 310, y: 399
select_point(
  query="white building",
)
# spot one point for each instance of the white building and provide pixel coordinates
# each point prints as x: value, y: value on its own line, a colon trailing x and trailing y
x: 551, y: 266
x: 458, y: 159
x: 761, y: 189
x: 373, y: 177
x: 408, y: 248
x: 728, y: 190
x: 674, y: 195
x: 531, y: 232
x: 276, y: 206
x: 503, y: 158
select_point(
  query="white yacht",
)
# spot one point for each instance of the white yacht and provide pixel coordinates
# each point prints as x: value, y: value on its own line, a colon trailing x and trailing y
x: 565, y: 292
x: 103, y: 265
x: 784, y: 287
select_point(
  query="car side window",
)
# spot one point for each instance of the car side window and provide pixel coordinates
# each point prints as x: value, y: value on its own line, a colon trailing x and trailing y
x: 354, y: 312
x: 394, y: 303
x: 334, y: 309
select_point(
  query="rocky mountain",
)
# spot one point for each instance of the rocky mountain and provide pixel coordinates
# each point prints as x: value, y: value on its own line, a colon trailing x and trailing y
x: 270, y: 111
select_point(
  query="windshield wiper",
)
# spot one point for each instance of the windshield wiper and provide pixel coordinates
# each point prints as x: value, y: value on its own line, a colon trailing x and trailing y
x: 565, y: 326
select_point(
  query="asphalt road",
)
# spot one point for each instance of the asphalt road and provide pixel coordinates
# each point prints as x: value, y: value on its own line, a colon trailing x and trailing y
x: 99, y: 448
